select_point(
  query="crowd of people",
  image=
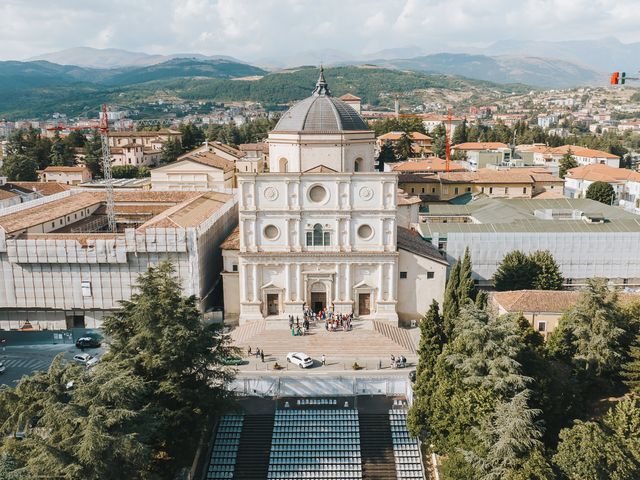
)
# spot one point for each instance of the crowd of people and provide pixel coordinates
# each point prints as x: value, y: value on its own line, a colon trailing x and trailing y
x: 332, y: 321
x: 398, y: 362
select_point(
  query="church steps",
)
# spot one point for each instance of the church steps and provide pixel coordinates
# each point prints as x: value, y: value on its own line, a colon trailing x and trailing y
x: 396, y: 334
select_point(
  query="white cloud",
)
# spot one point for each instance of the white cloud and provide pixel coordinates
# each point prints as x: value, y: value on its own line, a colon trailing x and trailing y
x: 272, y: 28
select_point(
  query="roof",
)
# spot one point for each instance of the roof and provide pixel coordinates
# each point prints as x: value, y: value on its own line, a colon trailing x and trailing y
x: 254, y: 147
x: 320, y: 113
x: 403, y: 198
x: 418, y: 178
x: 504, y: 215
x: 6, y: 193
x: 430, y: 164
x: 582, y: 152
x: 411, y: 241
x: 209, y: 159
x: 189, y: 213
x: 603, y: 173
x: 232, y: 242
x: 320, y: 169
x: 144, y: 133
x: 43, y: 188
x: 348, y: 97
x: 480, y: 146
x: 225, y: 148
x: 552, y: 301
x: 396, y: 136
x: 64, y: 169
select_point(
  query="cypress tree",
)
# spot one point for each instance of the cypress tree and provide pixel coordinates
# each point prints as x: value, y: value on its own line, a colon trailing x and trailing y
x: 451, y: 305
x: 466, y: 287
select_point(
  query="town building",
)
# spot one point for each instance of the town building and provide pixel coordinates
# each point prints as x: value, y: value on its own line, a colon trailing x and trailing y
x: 195, y: 171
x: 586, y: 156
x: 66, y: 175
x: 60, y: 269
x: 420, y: 143
x: 255, y: 159
x: 321, y: 228
x: 353, y: 101
x: 149, y: 140
x: 625, y: 183
x: 543, y: 308
x: 135, y: 154
x: 427, y: 165
x: 452, y: 186
x: 433, y: 120
x: 481, y: 154
x: 12, y: 194
x: 587, y: 238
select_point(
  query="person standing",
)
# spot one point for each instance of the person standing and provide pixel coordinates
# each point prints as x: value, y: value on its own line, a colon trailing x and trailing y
x: 262, y: 355
x: 324, y: 360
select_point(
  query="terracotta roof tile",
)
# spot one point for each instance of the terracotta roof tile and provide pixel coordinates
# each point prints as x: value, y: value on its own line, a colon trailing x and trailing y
x: 480, y: 146
x: 232, y: 242
x: 582, y: 152
x: 545, y: 300
x: 603, y: 173
x: 431, y: 164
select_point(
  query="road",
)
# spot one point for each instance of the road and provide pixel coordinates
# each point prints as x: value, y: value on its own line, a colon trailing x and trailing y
x: 22, y: 360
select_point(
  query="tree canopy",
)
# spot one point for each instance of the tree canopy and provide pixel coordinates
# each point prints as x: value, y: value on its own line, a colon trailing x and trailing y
x: 601, y: 192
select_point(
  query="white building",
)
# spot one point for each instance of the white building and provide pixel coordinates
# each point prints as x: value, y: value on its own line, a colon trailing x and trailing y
x: 196, y: 171
x: 320, y: 229
x: 625, y: 183
x: 66, y: 175
x: 61, y: 270
x: 585, y: 156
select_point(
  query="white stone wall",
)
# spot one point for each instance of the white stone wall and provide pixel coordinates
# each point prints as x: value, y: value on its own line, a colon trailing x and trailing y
x: 417, y: 291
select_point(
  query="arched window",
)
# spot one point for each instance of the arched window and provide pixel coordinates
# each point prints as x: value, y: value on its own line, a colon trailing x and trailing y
x: 318, y: 237
x: 284, y: 164
x: 357, y: 165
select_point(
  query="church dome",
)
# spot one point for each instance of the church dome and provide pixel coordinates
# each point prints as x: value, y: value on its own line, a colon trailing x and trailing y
x: 320, y: 113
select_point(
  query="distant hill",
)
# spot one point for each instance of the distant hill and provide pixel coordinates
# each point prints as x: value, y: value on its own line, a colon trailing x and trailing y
x: 115, y: 58
x: 541, y: 72
x: 49, y: 89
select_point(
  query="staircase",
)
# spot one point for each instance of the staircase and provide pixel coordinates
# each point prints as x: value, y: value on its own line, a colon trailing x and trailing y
x: 376, y: 447
x: 242, y: 334
x: 252, y: 461
x: 396, y: 334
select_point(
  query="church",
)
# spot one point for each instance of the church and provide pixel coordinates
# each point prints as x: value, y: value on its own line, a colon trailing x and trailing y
x: 324, y: 228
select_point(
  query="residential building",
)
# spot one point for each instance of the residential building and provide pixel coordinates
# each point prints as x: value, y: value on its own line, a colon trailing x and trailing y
x: 255, y: 159
x: 135, y: 154
x: 480, y: 154
x: 61, y: 270
x: 195, y: 171
x: 353, y: 101
x: 543, y: 308
x: 420, y: 143
x: 587, y: 238
x: 220, y: 149
x: 432, y: 120
x: 586, y: 156
x: 66, y: 175
x: 546, y: 121
x: 149, y: 140
x: 625, y: 183
x: 320, y: 229
x: 427, y: 165
x: 448, y: 186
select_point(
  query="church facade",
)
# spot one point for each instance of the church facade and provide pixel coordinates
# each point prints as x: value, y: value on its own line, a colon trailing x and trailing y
x: 320, y: 228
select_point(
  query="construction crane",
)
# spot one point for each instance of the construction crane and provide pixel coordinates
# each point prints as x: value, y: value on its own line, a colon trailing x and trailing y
x: 106, y: 169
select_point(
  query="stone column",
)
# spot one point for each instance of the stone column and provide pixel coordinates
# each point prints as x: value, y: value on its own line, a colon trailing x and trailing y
x: 380, y: 281
x: 336, y: 284
x: 392, y: 277
x: 287, y: 282
x: 348, y: 285
x: 242, y: 274
x: 299, y: 282
x: 255, y: 282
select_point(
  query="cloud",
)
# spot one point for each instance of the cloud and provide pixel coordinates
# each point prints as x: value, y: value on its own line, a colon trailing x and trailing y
x: 256, y: 29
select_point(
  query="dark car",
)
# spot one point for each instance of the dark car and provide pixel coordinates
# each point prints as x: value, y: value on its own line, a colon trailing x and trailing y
x: 87, y: 342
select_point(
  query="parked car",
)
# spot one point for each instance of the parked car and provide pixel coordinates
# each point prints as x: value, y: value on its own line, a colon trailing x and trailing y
x: 2, y: 367
x: 301, y: 359
x: 233, y: 361
x: 87, y: 342
x: 82, y: 358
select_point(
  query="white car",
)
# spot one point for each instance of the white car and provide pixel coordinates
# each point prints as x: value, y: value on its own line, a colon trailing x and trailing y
x: 83, y: 358
x: 301, y: 359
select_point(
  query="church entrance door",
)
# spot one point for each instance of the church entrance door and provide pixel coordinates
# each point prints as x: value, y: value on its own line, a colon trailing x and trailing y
x: 318, y: 301
x: 364, y: 303
x: 272, y: 304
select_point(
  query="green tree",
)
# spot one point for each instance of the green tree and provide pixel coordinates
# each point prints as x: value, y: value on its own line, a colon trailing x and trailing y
x: 171, y: 150
x: 124, y: 171
x: 515, y: 272
x: 432, y: 341
x: 466, y: 287
x: 61, y: 154
x: 20, y: 168
x: 439, y: 135
x: 386, y: 155
x: 192, y: 136
x: 567, y: 162
x: 451, y: 305
x: 603, y: 450
x: 93, y: 155
x: 631, y: 369
x: 75, y: 139
x: 593, y: 329
x: 460, y: 133
x: 601, y: 192
x: 404, y: 146
x: 547, y: 271
x: 160, y: 333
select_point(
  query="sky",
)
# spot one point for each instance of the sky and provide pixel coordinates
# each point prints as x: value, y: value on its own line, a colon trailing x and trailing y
x: 263, y: 29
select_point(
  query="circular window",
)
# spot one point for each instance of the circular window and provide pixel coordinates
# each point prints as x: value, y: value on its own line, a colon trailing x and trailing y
x: 271, y: 232
x: 317, y: 193
x: 365, y: 232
